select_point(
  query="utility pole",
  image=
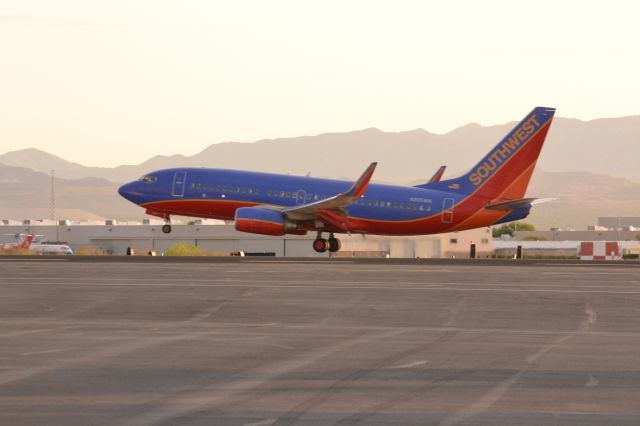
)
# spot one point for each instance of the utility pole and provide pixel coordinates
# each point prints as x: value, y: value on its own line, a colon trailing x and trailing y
x: 52, y: 205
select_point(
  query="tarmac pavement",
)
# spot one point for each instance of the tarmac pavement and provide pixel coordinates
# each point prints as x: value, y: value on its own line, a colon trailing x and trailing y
x: 305, y: 342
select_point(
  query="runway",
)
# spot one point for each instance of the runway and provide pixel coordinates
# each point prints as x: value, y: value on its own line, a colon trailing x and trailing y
x: 258, y: 342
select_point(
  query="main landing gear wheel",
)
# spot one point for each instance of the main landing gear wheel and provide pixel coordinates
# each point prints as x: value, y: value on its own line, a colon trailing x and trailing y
x: 334, y: 244
x: 320, y: 245
x: 166, y: 228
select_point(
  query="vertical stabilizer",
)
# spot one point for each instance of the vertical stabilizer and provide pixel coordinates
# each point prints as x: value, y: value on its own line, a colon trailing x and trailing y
x: 505, y: 172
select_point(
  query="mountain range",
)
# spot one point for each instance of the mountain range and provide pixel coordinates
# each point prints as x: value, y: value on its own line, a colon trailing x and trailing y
x: 608, y: 146
x: 591, y: 166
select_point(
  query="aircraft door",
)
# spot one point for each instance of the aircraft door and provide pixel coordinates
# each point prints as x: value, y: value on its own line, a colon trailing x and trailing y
x: 447, y: 210
x: 301, y: 194
x: 179, y: 179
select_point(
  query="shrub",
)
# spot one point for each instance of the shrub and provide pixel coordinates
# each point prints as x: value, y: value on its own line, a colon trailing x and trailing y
x: 182, y: 249
x: 90, y: 251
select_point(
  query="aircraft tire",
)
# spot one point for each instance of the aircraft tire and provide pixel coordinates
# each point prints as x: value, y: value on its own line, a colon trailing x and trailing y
x: 334, y: 244
x: 320, y: 245
x: 166, y: 229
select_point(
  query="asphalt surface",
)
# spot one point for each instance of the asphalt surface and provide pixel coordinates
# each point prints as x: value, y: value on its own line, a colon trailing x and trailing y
x: 261, y: 342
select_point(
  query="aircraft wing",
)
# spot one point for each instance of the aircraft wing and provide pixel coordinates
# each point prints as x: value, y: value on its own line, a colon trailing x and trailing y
x: 331, y: 209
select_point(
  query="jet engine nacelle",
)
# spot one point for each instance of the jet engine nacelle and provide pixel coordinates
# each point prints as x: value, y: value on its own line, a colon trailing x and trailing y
x: 257, y: 220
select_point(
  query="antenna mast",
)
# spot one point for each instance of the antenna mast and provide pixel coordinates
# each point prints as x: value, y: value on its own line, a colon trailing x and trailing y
x: 52, y: 205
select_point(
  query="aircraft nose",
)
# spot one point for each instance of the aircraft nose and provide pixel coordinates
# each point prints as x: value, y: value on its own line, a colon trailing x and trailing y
x: 127, y: 191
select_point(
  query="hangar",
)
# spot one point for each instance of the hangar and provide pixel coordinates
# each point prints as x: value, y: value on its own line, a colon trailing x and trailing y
x: 111, y: 237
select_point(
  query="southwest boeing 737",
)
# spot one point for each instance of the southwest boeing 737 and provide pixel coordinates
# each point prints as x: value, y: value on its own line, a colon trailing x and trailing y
x: 492, y: 192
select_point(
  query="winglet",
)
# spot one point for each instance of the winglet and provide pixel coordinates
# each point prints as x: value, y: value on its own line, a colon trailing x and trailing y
x: 438, y: 175
x: 360, y: 186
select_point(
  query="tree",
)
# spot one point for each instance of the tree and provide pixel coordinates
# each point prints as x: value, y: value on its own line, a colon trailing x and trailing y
x: 510, y: 228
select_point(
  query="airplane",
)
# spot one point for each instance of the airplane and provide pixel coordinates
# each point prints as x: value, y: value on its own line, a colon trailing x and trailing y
x: 33, y: 243
x: 24, y: 244
x: 491, y: 193
x: 50, y: 249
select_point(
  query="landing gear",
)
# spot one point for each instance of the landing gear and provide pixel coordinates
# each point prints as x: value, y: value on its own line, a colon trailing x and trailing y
x: 320, y: 245
x: 166, y: 228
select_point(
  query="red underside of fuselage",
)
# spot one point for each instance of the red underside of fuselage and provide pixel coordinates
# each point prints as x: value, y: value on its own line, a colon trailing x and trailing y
x: 225, y: 210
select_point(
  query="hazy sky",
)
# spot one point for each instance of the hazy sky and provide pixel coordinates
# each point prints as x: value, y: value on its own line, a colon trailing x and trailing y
x: 116, y: 81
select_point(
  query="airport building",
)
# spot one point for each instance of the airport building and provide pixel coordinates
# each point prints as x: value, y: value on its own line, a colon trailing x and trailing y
x: 112, y: 238
x: 623, y: 231
x: 618, y: 222
x: 573, y: 235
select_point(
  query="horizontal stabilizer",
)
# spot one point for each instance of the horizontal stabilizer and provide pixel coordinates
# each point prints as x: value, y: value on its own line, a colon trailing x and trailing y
x: 516, y: 204
x: 438, y: 175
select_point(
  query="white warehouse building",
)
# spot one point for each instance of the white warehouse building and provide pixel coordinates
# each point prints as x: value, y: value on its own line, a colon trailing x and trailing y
x: 223, y: 239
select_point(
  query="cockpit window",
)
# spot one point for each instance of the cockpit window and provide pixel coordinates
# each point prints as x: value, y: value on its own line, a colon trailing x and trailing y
x: 149, y: 179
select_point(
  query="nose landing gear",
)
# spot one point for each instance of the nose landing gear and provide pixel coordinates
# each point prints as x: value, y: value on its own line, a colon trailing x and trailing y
x: 320, y: 245
x: 166, y: 228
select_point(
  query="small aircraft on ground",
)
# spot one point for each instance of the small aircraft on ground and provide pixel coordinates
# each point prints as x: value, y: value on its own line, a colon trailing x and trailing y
x: 23, y: 244
x: 35, y: 245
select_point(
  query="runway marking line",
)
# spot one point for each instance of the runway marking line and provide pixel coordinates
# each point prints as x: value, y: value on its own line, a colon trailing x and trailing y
x: 408, y: 365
